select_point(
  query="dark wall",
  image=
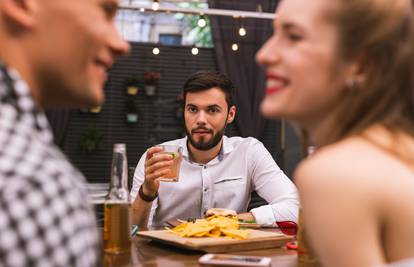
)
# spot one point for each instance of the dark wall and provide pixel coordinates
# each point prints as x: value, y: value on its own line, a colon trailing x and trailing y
x: 157, y: 121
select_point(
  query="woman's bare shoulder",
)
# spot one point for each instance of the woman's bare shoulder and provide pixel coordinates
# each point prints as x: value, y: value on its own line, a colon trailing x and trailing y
x: 354, y: 163
x: 349, y: 156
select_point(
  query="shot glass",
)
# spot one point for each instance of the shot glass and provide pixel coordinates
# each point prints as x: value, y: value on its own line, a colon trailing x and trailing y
x: 176, y: 152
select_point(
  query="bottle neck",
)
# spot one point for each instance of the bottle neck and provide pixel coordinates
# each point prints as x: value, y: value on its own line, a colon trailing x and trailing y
x: 119, y: 171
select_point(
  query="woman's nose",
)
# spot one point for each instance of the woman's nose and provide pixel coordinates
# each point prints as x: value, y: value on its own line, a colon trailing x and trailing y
x: 268, y: 53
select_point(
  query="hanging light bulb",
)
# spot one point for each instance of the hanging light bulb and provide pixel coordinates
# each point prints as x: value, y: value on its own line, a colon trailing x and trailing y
x: 155, y: 50
x: 202, y: 21
x: 194, y: 51
x: 234, y: 47
x: 242, y: 31
x: 155, y: 5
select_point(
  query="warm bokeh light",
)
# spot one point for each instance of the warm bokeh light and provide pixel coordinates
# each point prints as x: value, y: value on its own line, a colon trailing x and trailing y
x: 194, y: 51
x: 202, y: 22
x: 155, y: 5
x: 155, y: 50
x: 242, y: 31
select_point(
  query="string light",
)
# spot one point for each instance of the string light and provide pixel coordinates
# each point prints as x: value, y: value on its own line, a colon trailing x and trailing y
x: 155, y: 5
x: 234, y: 47
x: 142, y: 9
x: 202, y: 21
x: 155, y: 50
x: 194, y: 51
x: 242, y: 31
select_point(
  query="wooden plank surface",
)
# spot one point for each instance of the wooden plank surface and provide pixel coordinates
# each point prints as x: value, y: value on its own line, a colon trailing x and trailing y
x: 257, y: 240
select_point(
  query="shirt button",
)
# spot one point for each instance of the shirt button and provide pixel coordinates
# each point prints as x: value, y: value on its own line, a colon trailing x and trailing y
x: 205, y: 189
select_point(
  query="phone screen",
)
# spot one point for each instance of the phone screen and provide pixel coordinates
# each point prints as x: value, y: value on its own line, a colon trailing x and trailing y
x: 236, y: 258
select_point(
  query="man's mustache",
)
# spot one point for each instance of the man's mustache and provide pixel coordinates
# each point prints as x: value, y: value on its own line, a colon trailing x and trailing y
x: 201, y: 129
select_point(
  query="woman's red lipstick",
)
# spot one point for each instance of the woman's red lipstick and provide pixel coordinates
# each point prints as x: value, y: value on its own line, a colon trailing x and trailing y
x: 274, y: 89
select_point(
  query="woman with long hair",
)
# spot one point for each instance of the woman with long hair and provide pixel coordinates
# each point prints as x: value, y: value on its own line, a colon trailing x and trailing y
x: 341, y: 72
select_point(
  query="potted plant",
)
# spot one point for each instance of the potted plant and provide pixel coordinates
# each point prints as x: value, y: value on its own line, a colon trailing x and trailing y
x: 90, y: 140
x: 132, y: 85
x: 151, y: 79
x: 131, y: 111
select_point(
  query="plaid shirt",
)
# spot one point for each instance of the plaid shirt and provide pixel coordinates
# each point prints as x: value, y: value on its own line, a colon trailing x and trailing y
x: 45, y: 215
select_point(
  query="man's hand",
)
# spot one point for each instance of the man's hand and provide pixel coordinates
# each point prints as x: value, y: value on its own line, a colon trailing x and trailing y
x: 247, y: 216
x: 156, y: 165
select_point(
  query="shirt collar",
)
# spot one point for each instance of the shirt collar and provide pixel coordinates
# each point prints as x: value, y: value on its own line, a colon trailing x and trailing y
x: 16, y: 92
x: 225, y: 149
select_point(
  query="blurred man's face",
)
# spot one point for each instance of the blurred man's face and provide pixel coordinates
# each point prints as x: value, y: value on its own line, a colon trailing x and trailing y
x: 75, y: 42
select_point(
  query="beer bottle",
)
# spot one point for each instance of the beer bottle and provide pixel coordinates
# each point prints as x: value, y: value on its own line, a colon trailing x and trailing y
x: 117, y: 205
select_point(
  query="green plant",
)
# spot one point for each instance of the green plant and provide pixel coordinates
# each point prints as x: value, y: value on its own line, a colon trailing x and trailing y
x: 90, y: 140
x: 132, y: 81
x: 201, y: 36
x: 132, y: 85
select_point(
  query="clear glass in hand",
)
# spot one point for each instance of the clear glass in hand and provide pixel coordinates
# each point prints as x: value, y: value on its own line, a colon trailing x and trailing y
x: 174, y: 170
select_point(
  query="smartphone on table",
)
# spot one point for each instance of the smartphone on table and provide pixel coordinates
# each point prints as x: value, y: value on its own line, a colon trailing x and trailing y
x: 233, y: 260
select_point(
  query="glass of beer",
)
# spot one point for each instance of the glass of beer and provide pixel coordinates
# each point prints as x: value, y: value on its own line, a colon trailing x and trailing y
x: 174, y: 172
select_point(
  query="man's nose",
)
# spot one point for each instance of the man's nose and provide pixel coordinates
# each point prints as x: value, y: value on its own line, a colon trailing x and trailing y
x: 118, y: 45
x: 201, y: 118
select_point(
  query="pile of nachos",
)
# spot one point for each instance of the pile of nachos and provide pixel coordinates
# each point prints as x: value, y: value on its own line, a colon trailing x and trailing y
x: 212, y: 226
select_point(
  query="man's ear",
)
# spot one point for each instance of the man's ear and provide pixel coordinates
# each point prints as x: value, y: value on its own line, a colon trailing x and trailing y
x: 232, y: 114
x: 19, y: 12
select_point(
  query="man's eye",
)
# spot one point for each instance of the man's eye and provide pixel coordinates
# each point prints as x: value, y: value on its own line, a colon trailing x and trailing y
x: 110, y: 9
x: 212, y: 110
x: 192, y: 110
x: 294, y: 37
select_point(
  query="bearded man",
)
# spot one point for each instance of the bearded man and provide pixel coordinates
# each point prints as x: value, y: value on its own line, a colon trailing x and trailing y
x: 216, y: 171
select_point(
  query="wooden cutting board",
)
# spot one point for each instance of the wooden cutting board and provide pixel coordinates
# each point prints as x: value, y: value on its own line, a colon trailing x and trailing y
x: 257, y: 240
x: 176, y: 222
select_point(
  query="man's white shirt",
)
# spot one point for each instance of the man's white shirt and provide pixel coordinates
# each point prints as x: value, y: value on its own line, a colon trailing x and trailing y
x: 242, y: 166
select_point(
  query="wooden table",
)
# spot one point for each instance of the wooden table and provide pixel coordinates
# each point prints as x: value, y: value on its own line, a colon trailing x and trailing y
x: 151, y: 254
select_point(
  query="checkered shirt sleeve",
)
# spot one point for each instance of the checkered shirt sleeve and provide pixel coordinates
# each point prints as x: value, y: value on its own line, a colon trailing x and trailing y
x: 45, y: 215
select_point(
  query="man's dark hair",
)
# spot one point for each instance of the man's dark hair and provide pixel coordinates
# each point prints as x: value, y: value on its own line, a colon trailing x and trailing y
x: 207, y: 79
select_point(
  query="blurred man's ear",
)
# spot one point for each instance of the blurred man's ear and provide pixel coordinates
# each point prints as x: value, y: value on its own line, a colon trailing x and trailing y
x: 19, y: 12
x: 232, y: 114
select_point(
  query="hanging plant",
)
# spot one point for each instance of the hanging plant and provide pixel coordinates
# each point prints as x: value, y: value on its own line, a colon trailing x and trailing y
x: 90, y: 140
x: 132, y: 85
x: 151, y: 79
x: 132, y: 113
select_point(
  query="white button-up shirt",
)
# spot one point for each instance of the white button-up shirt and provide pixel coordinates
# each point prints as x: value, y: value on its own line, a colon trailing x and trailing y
x: 242, y: 166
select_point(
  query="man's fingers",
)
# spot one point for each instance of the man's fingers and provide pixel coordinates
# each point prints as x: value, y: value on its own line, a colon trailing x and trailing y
x: 157, y: 158
x: 156, y: 175
x: 153, y: 150
x: 159, y: 165
x: 156, y: 164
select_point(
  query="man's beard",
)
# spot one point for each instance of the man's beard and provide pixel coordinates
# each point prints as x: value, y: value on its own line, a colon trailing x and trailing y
x: 202, y: 144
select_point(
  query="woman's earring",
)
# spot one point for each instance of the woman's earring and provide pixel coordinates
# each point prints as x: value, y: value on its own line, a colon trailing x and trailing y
x: 352, y: 83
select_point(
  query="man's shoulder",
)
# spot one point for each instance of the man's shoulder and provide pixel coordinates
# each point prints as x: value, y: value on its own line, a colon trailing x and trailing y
x: 242, y: 142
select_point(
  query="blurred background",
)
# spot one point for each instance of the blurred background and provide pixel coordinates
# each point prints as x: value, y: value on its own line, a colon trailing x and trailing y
x: 171, y: 40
